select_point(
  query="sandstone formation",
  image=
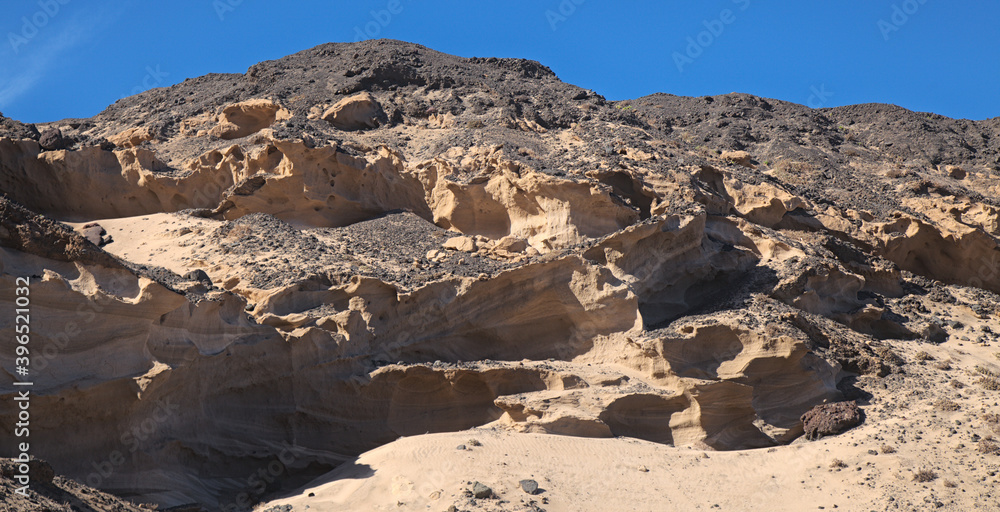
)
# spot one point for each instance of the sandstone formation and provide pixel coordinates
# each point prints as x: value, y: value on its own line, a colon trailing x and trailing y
x: 365, y: 241
x: 357, y: 112
x: 247, y: 117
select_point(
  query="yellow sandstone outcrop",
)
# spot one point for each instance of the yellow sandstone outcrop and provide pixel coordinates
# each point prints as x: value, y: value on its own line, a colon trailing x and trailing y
x: 238, y: 120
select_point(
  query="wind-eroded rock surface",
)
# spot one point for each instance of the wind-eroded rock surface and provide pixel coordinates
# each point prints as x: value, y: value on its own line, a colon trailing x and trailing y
x: 365, y: 241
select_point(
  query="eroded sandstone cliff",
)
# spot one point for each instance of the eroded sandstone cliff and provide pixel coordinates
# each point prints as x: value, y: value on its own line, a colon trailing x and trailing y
x: 366, y: 241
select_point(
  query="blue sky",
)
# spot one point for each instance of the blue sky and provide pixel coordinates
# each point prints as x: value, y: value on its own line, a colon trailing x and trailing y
x: 70, y: 58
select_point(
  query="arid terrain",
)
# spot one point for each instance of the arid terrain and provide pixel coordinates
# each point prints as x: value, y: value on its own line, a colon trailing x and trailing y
x: 372, y: 276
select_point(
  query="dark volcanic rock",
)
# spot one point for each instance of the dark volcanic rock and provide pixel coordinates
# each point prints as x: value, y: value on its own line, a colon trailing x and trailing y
x: 95, y: 233
x: 529, y: 486
x: 38, y: 470
x: 16, y: 129
x: 50, y: 492
x: 830, y: 419
x: 935, y: 333
x: 26, y: 231
x: 53, y: 139
x: 200, y: 276
x: 480, y: 491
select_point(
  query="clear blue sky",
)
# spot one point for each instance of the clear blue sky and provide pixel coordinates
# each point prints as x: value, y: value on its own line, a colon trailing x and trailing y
x: 70, y: 58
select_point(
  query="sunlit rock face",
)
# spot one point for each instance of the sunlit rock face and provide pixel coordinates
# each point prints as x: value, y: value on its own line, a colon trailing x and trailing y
x: 373, y: 240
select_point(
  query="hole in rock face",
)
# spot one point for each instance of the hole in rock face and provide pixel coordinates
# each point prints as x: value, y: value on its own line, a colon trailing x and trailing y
x: 643, y: 416
x: 701, y: 356
x: 693, y: 296
x: 432, y: 403
x: 629, y: 188
x: 248, y: 122
x: 248, y: 117
x: 421, y: 400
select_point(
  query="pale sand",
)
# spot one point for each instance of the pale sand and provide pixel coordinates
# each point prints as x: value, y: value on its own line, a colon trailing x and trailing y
x: 428, y: 472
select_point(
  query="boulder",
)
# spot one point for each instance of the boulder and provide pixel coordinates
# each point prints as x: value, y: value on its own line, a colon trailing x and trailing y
x: 460, y: 243
x: 529, y: 486
x: 96, y: 234
x: 93, y: 232
x: 955, y: 171
x: 200, y: 276
x: 511, y: 244
x: 934, y: 332
x: 248, y: 117
x: 738, y: 157
x: 358, y: 112
x: 830, y: 419
x: 132, y: 137
x: 480, y: 491
x: 52, y: 139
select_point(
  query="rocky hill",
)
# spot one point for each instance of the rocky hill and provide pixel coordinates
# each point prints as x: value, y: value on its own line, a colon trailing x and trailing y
x: 242, y: 283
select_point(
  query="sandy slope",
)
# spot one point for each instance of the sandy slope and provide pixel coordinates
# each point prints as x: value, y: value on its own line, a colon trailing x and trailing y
x: 429, y: 472
x: 160, y: 238
x: 929, y: 420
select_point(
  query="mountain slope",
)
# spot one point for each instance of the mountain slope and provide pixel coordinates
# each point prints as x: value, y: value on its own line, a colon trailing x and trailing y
x: 358, y: 242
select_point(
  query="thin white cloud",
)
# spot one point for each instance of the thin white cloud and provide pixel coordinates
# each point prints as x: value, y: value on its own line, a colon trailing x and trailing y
x: 35, y: 59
